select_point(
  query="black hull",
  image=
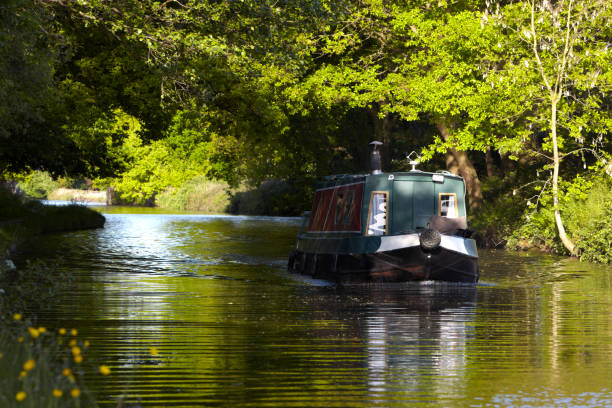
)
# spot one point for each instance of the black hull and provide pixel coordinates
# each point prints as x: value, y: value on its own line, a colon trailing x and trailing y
x: 400, y: 265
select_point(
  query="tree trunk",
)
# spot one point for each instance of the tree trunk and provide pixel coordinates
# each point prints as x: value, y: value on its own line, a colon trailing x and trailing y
x: 490, y: 163
x: 567, y: 242
x: 459, y: 163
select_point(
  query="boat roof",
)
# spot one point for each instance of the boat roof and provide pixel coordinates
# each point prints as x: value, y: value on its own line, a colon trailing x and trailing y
x: 340, y: 179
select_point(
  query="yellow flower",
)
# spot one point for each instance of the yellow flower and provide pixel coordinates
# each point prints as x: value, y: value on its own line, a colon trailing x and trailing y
x: 75, y: 392
x: 86, y: 343
x: 72, y: 343
x: 17, y: 316
x: 76, y: 351
x: 22, y: 374
x: 153, y: 351
x: 29, y: 365
x: 20, y: 339
x: 62, y: 331
x: 74, y: 332
x: 78, y: 359
x: 21, y: 395
x: 104, y: 370
x: 33, y: 332
x: 1, y: 355
x: 42, y: 329
x: 66, y: 372
x: 57, y: 393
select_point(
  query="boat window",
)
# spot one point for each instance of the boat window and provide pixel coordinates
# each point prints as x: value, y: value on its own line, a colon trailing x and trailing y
x: 377, y: 217
x: 344, y: 206
x: 447, y: 205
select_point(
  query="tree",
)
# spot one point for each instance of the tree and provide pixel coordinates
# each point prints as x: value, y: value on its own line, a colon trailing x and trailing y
x: 30, y: 108
x: 413, y: 60
x: 561, y: 62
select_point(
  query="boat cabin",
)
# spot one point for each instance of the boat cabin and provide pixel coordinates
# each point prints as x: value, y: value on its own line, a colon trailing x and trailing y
x: 385, y: 203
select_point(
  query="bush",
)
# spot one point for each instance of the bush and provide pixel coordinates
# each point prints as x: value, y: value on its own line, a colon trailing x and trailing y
x: 38, y: 185
x: 590, y: 225
x: 586, y: 210
x: 197, y: 194
x: 538, y: 230
x: 500, y: 215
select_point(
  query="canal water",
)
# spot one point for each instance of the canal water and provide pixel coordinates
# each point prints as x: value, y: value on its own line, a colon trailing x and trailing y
x: 232, y: 328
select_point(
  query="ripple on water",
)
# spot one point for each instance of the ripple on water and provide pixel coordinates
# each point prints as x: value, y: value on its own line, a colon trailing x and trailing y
x: 229, y: 327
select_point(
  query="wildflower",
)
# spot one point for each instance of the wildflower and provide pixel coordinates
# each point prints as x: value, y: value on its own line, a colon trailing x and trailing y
x: 66, y: 372
x: 21, y: 395
x: 75, y: 392
x: 17, y: 316
x: 72, y: 343
x: 86, y: 343
x: 78, y: 359
x: 57, y: 393
x: 20, y: 339
x: 33, y: 332
x: 29, y: 365
x: 22, y: 374
x: 42, y: 329
x: 76, y: 351
x: 104, y: 370
x: 74, y: 332
x: 62, y: 331
x: 153, y: 351
x: 1, y: 355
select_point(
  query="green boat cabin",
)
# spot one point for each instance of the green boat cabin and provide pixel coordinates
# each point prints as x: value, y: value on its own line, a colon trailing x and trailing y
x: 385, y: 203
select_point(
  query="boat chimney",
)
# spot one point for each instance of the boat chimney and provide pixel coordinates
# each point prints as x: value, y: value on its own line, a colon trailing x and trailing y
x: 375, y: 165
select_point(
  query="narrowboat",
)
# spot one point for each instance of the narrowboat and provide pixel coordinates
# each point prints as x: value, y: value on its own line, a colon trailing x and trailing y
x: 387, y: 227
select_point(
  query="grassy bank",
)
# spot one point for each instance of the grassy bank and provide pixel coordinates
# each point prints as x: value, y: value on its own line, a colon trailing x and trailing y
x: 76, y: 195
x: 273, y: 197
x: 22, y: 218
x: 513, y: 222
x: 40, y: 366
x: 197, y: 194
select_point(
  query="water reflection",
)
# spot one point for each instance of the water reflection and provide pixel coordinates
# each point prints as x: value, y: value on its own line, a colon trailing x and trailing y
x: 232, y: 328
x: 417, y: 340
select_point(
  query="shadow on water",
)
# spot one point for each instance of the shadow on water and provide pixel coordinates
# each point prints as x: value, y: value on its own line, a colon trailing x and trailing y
x: 232, y: 328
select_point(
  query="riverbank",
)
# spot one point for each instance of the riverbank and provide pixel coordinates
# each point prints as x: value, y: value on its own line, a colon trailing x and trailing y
x: 78, y: 196
x: 42, y: 366
x: 22, y: 218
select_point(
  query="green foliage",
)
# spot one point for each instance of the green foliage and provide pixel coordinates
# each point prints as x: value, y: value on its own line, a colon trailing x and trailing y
x: 501, y: 214
x: 38, y: 184
x: 189, y: 149
x: 146, y: 96
x: 197, y: 194
x: 590, y: 224
x: 538, y: 230
x: 586, y: 208
x: 31, y: 113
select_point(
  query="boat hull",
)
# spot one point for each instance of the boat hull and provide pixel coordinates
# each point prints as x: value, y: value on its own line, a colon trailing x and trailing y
x: 455, y: 260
